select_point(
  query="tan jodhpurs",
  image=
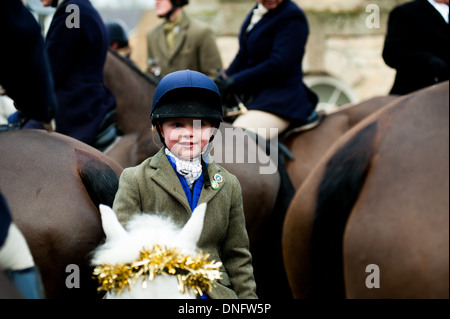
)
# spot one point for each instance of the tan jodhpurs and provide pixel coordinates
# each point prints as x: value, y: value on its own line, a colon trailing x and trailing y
x: 265, y: 124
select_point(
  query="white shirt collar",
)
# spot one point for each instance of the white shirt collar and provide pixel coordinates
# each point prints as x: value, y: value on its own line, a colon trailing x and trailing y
x: 189, y: 169
x: 258, y: 13
x: 442, y: 8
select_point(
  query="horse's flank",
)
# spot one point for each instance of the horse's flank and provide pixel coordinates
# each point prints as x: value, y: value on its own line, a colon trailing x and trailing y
x: 43, y: 184
x: 385, y: 185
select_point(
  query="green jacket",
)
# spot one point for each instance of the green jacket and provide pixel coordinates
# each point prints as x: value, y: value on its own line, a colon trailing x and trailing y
x: 195, y: 48
x: 153, y: 186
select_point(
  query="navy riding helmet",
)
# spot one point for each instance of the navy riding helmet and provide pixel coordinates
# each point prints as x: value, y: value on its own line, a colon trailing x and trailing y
x: 117, y: 33
x: 187, y: 94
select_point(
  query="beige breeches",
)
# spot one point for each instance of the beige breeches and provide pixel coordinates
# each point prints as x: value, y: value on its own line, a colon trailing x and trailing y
x: 265, y: 124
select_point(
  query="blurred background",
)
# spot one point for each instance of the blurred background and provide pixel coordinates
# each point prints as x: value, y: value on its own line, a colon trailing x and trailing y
x: 343, y: 62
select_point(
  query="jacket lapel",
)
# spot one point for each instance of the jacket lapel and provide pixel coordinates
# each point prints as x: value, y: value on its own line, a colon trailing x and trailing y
x: 209, y: 193
x: 166, y: 177
x: 161, y: 42
x: 180, y: 39
x: 437, y: 17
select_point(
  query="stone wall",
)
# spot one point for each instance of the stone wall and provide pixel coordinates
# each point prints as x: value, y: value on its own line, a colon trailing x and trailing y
x: 345, y: 41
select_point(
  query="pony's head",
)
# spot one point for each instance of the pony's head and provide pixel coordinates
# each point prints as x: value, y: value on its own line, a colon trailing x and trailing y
x: 153, y: 258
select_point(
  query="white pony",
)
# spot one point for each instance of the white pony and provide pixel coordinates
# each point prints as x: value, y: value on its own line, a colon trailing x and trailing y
x: 153, y: 258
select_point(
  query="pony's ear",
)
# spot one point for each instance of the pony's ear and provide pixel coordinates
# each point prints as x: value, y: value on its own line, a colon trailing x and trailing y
x: 111, y: 226
x: 190, y: 234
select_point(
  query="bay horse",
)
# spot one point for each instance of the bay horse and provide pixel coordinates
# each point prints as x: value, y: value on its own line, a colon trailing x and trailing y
x: 153, y: 258
x: 372, y: 218
x: 307, y: 148
x: 53, y: 185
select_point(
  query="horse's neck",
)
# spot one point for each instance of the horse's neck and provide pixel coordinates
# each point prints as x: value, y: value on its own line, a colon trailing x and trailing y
x: 130, y: 65
x: 133, y: 91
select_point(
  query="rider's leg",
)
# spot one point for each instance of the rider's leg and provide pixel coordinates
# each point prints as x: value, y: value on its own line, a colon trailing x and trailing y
x: 16, y: 260
x: 266, y: 124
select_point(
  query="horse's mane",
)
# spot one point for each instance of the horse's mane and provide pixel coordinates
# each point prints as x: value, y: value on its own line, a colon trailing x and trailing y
x: 132, y: 66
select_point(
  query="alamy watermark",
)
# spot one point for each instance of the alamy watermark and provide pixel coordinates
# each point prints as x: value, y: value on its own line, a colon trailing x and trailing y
x: 73, y: 19
x: 73, y: 279
x: 373, y: 19
x: 373, y: 280
x: 239, y: 148
x: 234, y: 145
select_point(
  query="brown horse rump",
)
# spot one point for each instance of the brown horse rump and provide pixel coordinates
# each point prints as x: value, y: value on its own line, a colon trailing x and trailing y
x: 378, y: 200
x: 53, y: 184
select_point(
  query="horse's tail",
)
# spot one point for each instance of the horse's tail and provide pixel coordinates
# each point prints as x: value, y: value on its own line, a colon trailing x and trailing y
x: 99, y: 179
x: 341, y: 184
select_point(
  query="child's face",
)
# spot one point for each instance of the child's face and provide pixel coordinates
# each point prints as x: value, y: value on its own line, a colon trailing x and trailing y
x: 187, y: 137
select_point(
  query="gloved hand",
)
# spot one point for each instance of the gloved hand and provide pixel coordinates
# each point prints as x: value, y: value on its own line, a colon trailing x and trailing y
x: 225, y: 85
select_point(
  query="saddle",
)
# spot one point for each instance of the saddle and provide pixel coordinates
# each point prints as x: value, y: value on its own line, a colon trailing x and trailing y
x: 108, y: 132
x: 314, y: 119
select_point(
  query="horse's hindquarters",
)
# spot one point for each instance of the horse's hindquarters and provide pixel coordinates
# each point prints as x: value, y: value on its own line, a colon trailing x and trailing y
x: 396, y: 243
x: 51, y: 206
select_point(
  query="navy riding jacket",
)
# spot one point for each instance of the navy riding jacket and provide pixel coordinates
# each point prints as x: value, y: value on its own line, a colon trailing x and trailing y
x: 268, y: 66
x: 417, y: 46
x: 77, y: 53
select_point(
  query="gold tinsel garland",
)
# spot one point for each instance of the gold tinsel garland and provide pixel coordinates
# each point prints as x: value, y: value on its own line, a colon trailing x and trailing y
x: 196, y: 274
